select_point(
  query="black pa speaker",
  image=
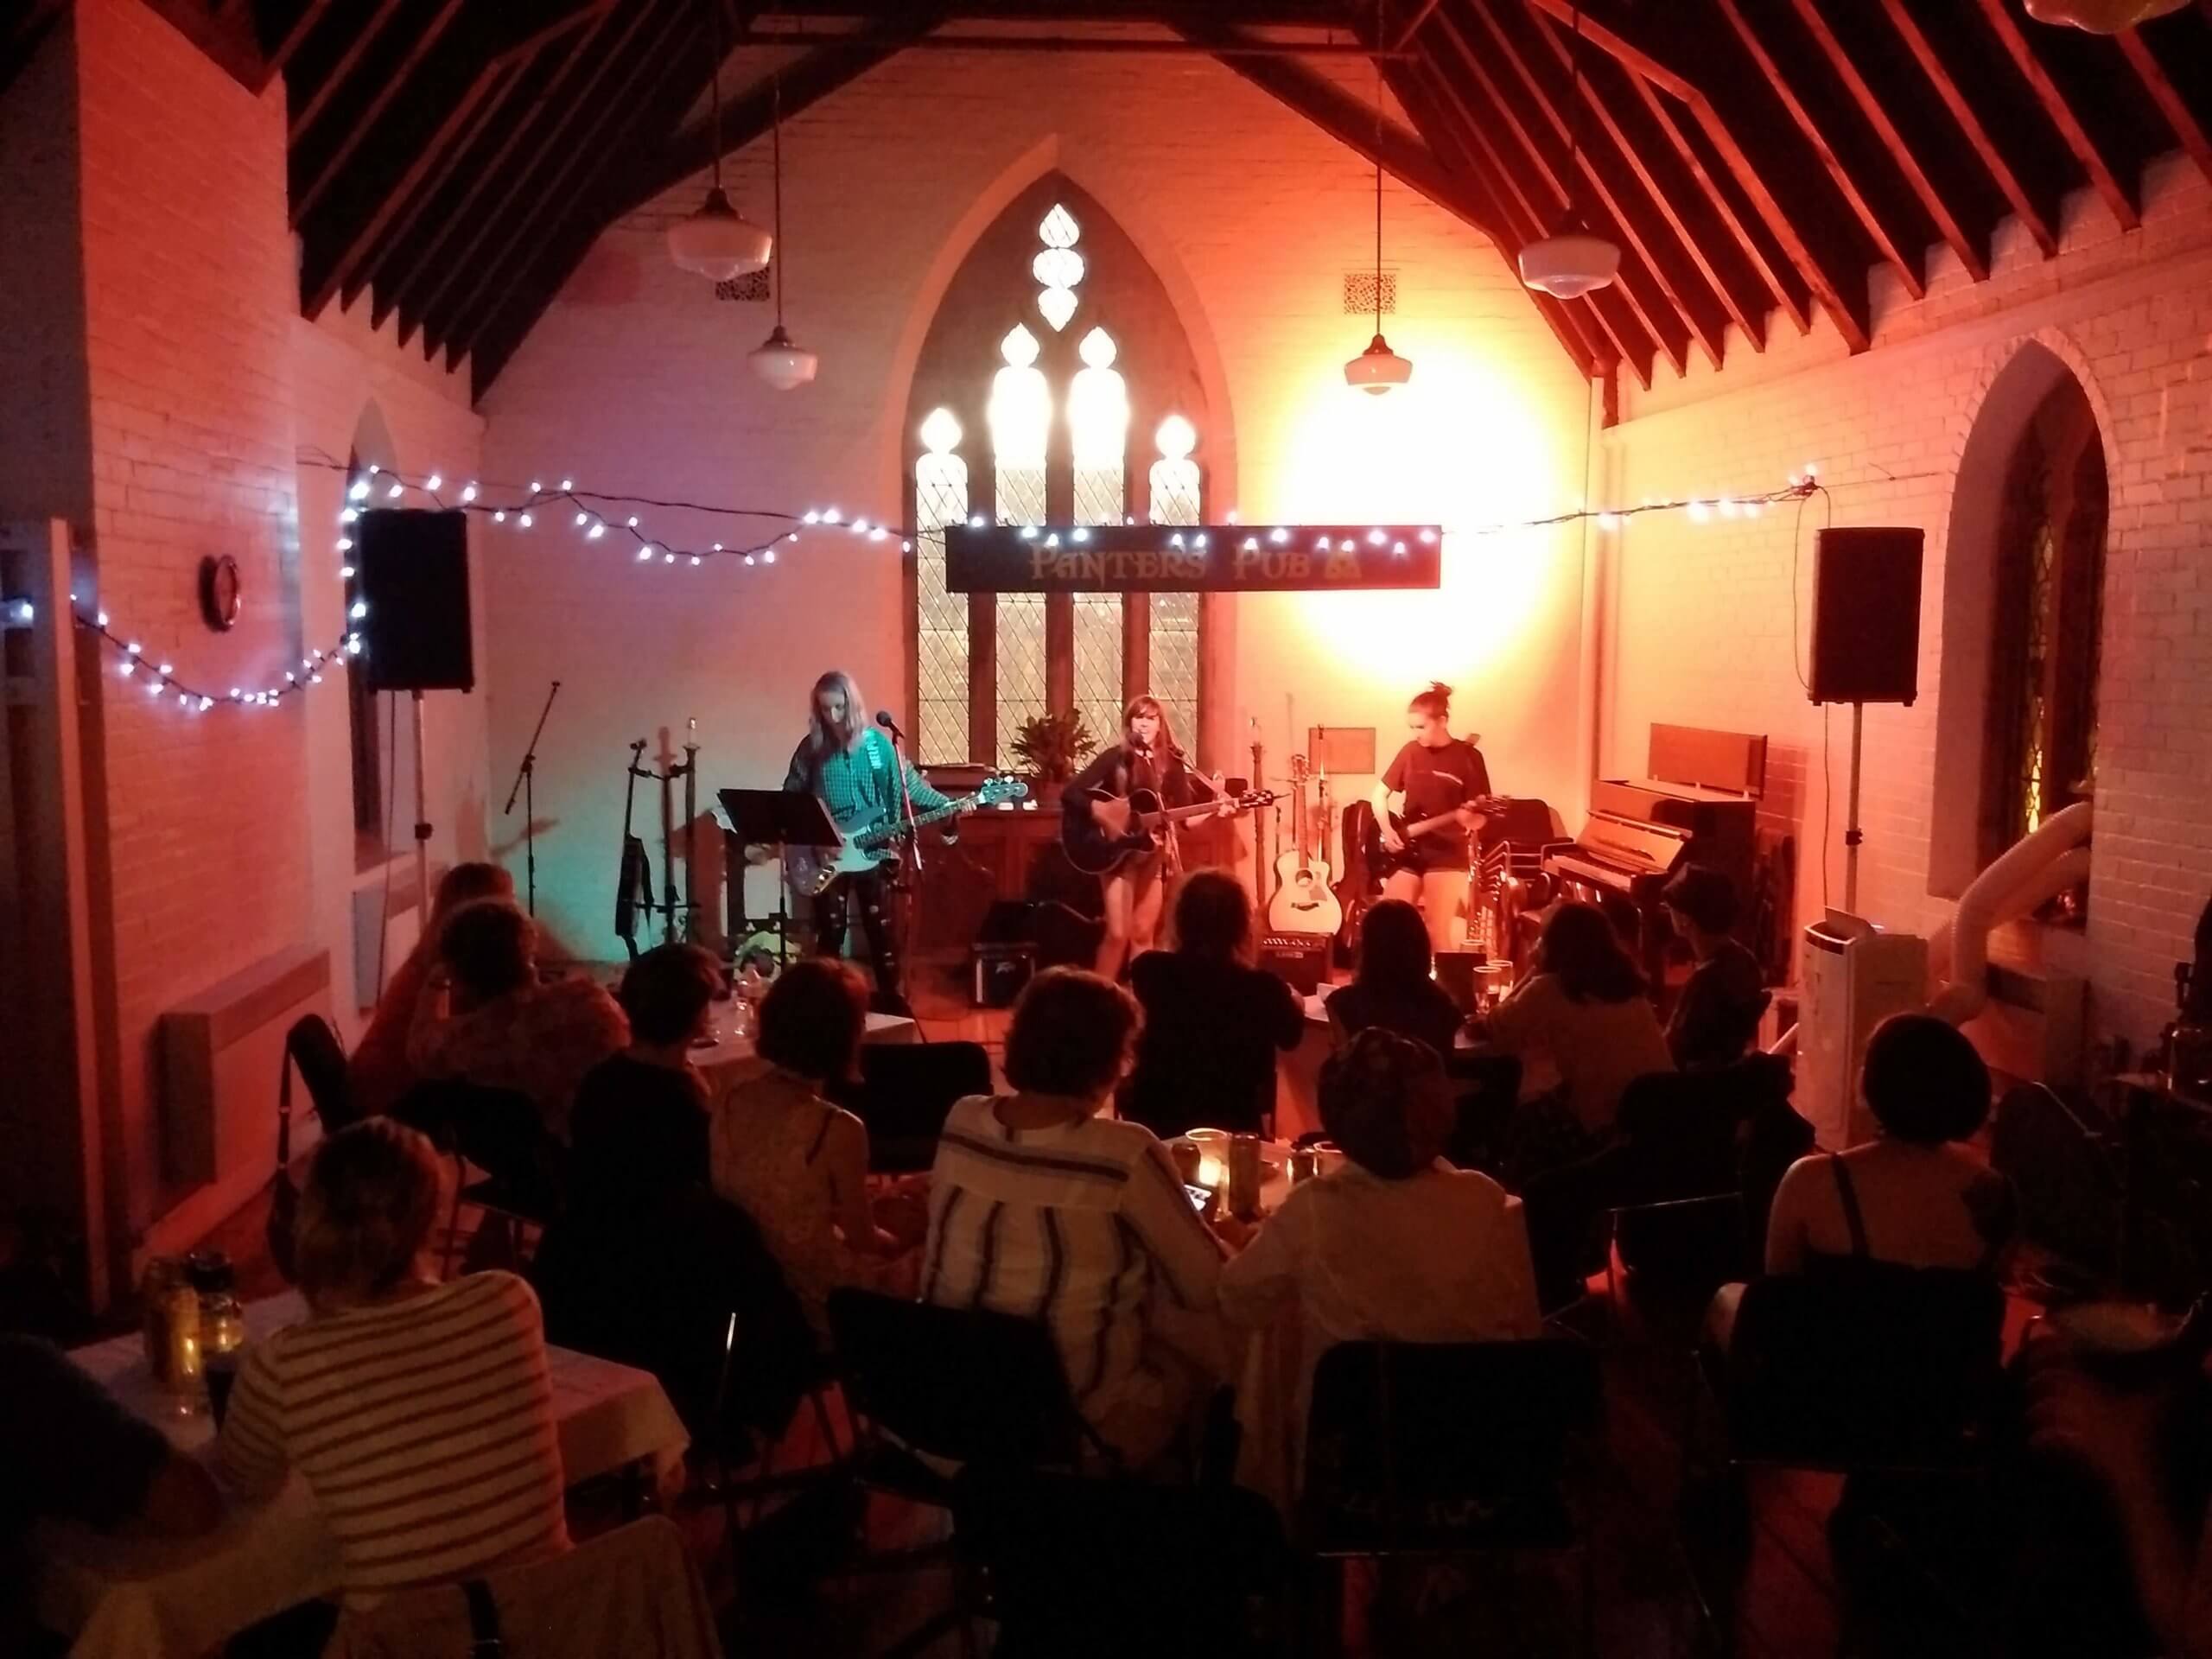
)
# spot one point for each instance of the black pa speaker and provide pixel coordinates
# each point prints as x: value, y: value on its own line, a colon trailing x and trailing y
x: 1867, y: 615
x: 412, y: 573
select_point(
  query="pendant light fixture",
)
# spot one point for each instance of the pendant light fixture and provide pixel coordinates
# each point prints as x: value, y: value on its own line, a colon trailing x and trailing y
x: 1378, y: 368
x: 715, y: 241
x: 776, y: 359
x: 1571, y: 261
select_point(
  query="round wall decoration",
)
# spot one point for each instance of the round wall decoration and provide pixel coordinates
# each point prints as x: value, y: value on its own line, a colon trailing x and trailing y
x: 219, y: 592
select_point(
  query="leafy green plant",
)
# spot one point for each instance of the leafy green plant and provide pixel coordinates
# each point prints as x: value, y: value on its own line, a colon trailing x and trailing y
x: 1054, y: 747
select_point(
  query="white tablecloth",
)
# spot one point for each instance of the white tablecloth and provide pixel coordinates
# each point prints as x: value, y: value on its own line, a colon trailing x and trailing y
x: 727, y: 1055
x: 133, y: 1599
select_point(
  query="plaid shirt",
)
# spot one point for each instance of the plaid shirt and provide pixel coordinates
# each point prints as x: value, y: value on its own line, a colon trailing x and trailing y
x: 860, y: 785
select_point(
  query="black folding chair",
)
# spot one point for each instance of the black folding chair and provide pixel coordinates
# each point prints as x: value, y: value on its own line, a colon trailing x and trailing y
x: 1082, y: 1567
x: 956, y: 1386
x: 501, y: 1133
x: 313, y: 1046
x: 905, y: 1092
x: 1445, y: 1450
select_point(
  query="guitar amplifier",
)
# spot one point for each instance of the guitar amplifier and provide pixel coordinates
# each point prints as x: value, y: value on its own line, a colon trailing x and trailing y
x: 1298, y: 959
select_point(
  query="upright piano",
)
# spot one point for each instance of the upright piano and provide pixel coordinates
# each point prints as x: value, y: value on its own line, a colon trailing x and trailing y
x: 1638, y: 833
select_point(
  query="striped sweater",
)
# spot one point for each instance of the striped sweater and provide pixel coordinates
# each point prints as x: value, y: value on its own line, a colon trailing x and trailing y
x: 424, y: 1427
x: 1083, y: 1227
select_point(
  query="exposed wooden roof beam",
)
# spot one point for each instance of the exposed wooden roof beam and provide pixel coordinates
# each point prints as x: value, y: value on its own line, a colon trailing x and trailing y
x: 2105, y: 173
x: 1627, y: 341
x: 1635, y: 287
x: 1701, y: 221
x: 1632, y: 209
x: 303, y: 117
x: 554, y: 139
x: 22, y: 35
x: 2188, y: 126
x: 275, y: 53
x: 320, y: 174
x: 2038, y: 222
x: 1574, y: 326
x: 225, y: 41
x: 803, y: 84
x: 1973, y: 251
x: 1894, y: 240
x: 640, y: 90
x: 1758, y: 156
x: 1405, y: 156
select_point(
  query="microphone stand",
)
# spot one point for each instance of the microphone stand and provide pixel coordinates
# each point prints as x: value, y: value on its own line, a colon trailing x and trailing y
x: 525, y: 786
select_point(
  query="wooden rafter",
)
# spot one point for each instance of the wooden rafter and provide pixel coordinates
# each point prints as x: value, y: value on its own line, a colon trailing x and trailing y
x: 799, y: 84
x: 275, y: 53
x: 225, y: 41
x: 1405, y: 156
x: 1756, y: 155
x: 2038, y: 222
x: 1949, y: 217
x: 2105, y: 173
x: 1893, y: 239
x: 1573, y: 326
x: 1639, y: 218
x: 1627, y: 341
x: 1701, y: 221
x: 1634, y: 288
x: 556, y: 138
x: 638, y: 92
x: 307, y: 191
x: 380, y: 14
x: 2185, y: 122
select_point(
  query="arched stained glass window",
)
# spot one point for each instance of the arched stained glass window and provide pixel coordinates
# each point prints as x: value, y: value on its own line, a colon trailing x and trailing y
x: 1057, y: 345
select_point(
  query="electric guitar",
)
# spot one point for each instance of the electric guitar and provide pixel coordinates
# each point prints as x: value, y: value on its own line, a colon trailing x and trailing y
x: 1388, y: 862
x: 1119, y: 825
x: 872, y: 836
x: 1302, y: 902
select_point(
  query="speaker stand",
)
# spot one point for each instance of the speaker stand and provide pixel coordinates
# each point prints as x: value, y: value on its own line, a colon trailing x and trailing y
x: 421, y: 822
x: 1852, y: 834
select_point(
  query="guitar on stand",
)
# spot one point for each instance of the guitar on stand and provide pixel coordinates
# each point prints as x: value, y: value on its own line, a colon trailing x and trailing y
x: 1303, y: 902
x: 633, y: 883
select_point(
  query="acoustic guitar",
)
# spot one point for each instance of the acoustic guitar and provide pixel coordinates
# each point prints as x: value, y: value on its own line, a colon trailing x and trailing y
x: 1096, y: 842
x: 1303, y: 901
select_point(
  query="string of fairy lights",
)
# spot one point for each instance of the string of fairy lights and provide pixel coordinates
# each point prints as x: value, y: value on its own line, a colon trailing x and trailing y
x: 589, y: 512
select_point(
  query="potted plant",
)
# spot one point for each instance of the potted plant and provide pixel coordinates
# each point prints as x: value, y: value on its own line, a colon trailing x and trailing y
x: 1052, y: 749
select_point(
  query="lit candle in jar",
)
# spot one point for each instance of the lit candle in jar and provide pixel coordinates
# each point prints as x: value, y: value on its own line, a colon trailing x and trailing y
x: 1211, y: 1172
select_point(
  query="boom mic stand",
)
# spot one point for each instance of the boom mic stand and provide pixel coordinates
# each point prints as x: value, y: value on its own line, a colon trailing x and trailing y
x: 524, y: 785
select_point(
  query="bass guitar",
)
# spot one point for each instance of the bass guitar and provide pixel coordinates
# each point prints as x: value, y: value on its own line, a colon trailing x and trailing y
x: 1387, y: 863
x: 1302, y: 902
x: 1119, y: 825
x: 872, y: 838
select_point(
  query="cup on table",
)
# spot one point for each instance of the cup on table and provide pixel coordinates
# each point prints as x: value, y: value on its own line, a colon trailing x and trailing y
x: 221, y: 1370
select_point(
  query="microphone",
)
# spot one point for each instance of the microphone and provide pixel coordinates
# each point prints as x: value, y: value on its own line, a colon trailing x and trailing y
x: 883, y: 719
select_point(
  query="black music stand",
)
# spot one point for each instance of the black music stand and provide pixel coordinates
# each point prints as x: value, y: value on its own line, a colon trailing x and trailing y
x: 781, y: 818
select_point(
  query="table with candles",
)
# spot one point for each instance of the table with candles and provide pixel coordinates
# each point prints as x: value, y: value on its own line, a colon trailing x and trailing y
x: 140, y: 1598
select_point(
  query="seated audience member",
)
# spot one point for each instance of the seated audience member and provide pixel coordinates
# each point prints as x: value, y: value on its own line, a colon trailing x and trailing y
x: 1212, y: 1022
x: 1392, y: 987
x: 69, y: 1452
x: 797, y: 1164
x: 1040, y: 1207
x: 639, y: 1127
x: 1913, y: 1196
x: 504, y: 1029
x: 1717, y: 1015
x: 1396, y: 1245
x: 1584, y: 1010
x: 378, y: 1072
x: 420, y: 1415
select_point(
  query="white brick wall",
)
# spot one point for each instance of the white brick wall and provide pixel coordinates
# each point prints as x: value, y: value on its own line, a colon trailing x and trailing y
x: 636, y: 380
x: 1702, y: 625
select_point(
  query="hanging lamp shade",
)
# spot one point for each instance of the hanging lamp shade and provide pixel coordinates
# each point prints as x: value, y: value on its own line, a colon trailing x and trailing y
x: 1569, y: 264
x: 1377, y: 369
x: 2101, y: 16
x: 783, y: 364
x: 716, y: 242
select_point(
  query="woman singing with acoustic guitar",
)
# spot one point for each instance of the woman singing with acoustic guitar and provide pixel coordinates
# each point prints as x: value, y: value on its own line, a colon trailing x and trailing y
x: 1095, y: 808
x: 1437, y: 778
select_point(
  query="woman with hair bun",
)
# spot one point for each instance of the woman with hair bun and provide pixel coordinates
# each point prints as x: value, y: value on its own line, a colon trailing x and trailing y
x: 1434, y: 775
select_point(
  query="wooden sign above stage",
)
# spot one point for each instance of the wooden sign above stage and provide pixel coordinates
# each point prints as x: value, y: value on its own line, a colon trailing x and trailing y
x: 1190, y: 558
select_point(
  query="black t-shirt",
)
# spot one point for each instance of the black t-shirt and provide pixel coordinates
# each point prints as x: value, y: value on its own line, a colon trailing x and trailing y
x: 1206, y: 1058
x: 1422, y: 1012
x: 639, y: 1135
x: 1435, y: 781
x: 1717, y: 1015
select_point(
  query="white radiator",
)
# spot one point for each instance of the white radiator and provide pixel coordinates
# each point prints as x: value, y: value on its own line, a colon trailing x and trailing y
x: 221, y: 1051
